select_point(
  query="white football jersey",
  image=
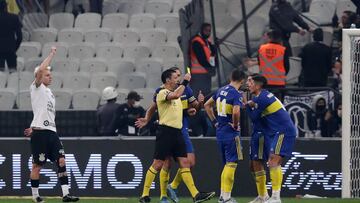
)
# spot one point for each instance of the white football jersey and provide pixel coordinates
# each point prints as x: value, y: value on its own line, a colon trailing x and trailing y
x: 43, y: 106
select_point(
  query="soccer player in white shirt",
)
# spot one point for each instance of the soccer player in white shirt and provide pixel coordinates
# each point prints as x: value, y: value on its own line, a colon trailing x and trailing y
x: 45, y: 143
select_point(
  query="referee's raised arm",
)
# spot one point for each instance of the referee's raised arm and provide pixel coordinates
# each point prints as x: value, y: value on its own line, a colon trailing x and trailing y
x: 180, y: 90
x: 43, y: 66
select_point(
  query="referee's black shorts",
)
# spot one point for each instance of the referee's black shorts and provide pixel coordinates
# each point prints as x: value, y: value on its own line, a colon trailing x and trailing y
x: 45, y: 144
x: 169, y: 143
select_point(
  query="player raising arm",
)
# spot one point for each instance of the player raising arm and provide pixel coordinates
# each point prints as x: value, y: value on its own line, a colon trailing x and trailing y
x: 45, y: 143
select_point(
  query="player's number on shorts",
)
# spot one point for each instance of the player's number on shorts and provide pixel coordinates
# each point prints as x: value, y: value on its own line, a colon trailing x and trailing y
x: 221, y: 107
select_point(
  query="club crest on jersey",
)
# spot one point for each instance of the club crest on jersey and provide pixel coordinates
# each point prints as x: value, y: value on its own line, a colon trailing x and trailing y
x: 46, y: 123
x: 61, y: 151
x: 42, y: 157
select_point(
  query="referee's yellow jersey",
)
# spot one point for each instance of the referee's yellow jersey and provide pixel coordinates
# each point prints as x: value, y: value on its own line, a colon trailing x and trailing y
x: 170, y: 111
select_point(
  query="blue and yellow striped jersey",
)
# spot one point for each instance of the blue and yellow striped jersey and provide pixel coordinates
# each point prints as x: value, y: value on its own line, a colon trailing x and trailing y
x: 226, y: 98
x: 275, y: 116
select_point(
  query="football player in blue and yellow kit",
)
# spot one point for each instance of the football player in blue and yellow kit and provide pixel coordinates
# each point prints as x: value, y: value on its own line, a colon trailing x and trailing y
x: 279, y: 128
x: 190, y: 106
x: 259, y: 154
x: 228, y: 101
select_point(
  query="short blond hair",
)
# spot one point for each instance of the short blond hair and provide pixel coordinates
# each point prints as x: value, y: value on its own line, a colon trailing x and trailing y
x: 37, y: 70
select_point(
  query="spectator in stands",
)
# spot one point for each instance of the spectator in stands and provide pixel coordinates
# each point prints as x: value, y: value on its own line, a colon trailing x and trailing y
x: 202, y: 56
x: 315, y: 116
x: 316, y: 61
x: 274, y: 60
x: 10, y: 37
x: 96, y: 6
x: 357, y: 4
x: 106, y: 114
x: 128, y: 113
x: 332, y: 123
x: 282, y: 15
x: 337, y: 73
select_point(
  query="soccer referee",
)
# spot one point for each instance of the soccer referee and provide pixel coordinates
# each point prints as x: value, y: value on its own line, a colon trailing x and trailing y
x: 45, y: 143
x: 169, y: 140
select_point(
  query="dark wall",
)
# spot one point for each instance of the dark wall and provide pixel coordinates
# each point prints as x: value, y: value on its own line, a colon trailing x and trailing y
x: 117, y: 168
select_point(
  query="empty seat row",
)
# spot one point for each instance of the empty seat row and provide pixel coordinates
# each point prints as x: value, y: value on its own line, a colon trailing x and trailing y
x: 85, y: 21
x: 84, y: 99
x: 87, y: 50
x: 100, y: 35
x: 80, y: 80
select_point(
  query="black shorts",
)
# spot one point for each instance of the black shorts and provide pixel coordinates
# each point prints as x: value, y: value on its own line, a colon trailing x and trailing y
x: 45, y: 144
x: 169, y: 143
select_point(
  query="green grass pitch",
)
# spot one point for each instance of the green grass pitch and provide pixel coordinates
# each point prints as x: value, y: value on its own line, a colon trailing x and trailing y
x: 183, y: 200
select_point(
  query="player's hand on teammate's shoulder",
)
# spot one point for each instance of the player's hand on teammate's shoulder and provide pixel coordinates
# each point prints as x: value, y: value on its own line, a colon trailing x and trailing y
x: 141, y: 122
x: 201, y: 97
x: 191, y: 111
x: 187, y: 76
x: 28, y: 132
x: 251, y: 104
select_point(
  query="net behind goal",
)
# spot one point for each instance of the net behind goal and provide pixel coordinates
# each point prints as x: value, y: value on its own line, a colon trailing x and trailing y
x: 351, y: 113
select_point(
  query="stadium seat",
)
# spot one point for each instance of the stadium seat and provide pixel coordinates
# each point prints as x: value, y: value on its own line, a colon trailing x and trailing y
x: 126, y: 36
x: 101, y: 80
x: 3, y: 79
x: 132, y: 81
x: 322, y: 11
x: 63, y: 98
x: 109, y: 50
x: 34, y: 20
x: 85, y: 99
x: 121, y: 98
x: 150, y: 66
x: 7, y: 98
x: 76, y: 81
x: 121, y: 66
x: 153, y: 81
x: 82, y: 50
x: 29, y: 49
x: 43, y: 35
x: 132, y: 7
x: 26, y: 78
x: 115, y: 21
x: 109, y: 7
x: 257, y: 26
x: 178, y: 4
x: 154, y: 36
x: 141, y: 50
x: 220, y: 6
x: 93, y: 65
x: 174, y: 62
x: 32, y: 63
x: 158, y: 7
x: 71, y: 35
x: 61, y: 21
x: 172, y: 35
x: 225, y: 21
x: 20, y: 63
x: 298, y: 42
x: 25, y: 35
x: 23, y: 100
x: 142, y: 21
x: 61, y: 49
x: 168, y: 21
x: 88, y: 21
x: 169, y: 50
x: 64, y: 65
x: 292, y: 77
x: 57, y: 80
x: 344, y: 5
x: 98, y: 35
x: 147, y: 94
